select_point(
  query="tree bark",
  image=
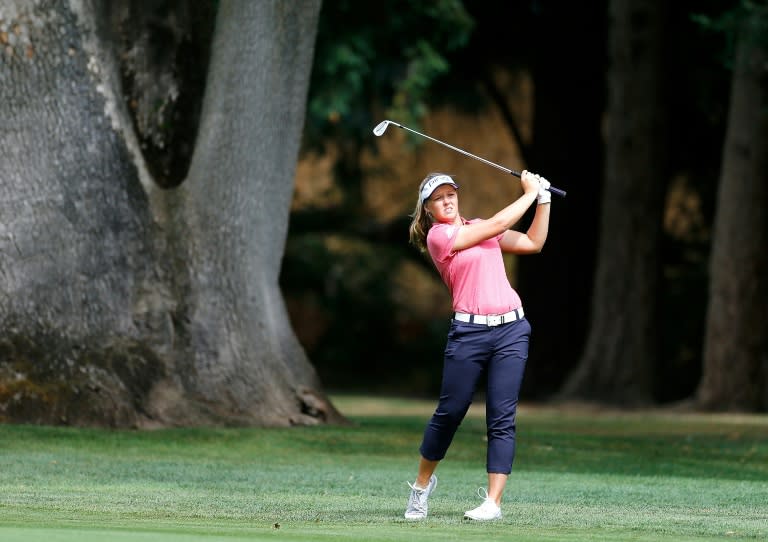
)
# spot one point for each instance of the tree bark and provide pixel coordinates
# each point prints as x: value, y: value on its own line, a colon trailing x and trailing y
x: 735, y: 365
x: 617, y: 363
x: 567, y: 148
x: 123, y: 304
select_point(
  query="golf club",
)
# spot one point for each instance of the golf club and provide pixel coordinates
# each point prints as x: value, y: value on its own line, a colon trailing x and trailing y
x: 382, y: 127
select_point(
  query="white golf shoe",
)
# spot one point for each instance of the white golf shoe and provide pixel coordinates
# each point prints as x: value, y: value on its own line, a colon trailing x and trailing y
x: 487, y: 511
x: 417, y: 502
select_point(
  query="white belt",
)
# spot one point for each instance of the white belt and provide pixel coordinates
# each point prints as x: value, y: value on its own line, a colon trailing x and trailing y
x: 489, y: 319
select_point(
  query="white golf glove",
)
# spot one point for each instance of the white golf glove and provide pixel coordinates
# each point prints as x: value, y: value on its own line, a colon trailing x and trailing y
x: 545, y: 196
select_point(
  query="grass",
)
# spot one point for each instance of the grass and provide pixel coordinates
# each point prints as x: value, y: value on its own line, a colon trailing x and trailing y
x: 579, y: 475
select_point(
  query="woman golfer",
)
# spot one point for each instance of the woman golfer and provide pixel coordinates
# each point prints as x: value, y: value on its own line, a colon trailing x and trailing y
x: 488, y: 333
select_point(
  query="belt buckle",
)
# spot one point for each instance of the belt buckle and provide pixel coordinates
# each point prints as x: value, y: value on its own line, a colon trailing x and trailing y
x: 495, y: 319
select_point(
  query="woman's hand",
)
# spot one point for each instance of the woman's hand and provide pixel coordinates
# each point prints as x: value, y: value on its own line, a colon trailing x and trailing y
x: 530, y: 181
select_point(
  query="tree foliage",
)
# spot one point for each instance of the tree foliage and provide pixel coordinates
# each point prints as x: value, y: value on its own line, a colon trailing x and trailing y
x: 379, y: 57
x: 742, y: 18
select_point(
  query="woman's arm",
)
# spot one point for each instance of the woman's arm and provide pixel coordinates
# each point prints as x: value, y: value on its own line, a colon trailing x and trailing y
x: 532, y: 241
x: 471, y: 234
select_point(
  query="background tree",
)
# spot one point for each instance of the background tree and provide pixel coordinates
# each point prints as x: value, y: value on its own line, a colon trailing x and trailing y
x: 125, y: 304
x: 343, y: 264
x: 535, y: 102
x: 617, y: 362
x: 566, y: 146
x: 479, y: 67
x: 735, y: 375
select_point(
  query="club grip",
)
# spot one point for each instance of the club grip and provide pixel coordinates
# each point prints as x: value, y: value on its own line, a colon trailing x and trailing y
x: 555, y: 191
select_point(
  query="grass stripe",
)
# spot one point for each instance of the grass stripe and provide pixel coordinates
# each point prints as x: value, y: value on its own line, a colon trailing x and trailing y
x: 580, y: 474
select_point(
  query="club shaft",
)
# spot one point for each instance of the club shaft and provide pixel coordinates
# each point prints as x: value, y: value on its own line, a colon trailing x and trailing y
x: 552, y: 189
x: 462, y: 151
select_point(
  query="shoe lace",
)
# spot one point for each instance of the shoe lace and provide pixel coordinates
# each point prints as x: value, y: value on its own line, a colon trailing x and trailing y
x: 488, y: 502
x: 416, y: 502
x: 483, y: 493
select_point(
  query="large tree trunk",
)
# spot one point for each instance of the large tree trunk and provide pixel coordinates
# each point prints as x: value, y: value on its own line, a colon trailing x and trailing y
x: 567, y: 149
x: 621, y: 349
x: 735, y: 372
x: 123, y: 304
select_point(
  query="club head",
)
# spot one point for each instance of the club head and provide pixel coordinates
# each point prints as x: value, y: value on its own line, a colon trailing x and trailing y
x: 381, y: 127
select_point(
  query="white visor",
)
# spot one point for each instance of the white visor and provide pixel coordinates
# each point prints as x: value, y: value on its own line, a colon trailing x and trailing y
x: 433, y: 183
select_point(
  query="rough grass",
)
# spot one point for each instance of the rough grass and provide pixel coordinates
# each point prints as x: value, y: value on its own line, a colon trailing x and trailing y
x: 580, y: 474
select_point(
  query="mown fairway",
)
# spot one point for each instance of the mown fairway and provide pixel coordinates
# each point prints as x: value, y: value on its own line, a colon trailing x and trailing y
x: 579, y: 475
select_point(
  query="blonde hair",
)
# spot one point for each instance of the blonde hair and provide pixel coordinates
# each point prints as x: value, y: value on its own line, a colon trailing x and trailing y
x: 422, y: 220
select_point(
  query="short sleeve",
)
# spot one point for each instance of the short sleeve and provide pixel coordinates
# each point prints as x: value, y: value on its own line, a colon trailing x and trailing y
x: 440, y: 239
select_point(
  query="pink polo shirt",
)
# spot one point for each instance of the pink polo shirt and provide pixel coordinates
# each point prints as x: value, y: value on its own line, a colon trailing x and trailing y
x: 476, y: 276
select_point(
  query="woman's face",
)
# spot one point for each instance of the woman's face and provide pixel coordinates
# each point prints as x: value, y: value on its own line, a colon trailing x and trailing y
x: 443, y: 204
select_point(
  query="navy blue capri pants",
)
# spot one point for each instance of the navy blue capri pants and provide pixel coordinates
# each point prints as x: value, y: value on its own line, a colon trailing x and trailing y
x: 472, y: 350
